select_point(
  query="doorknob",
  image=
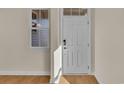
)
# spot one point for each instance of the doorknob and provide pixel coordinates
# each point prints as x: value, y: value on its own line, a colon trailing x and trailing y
x: 64, y: 42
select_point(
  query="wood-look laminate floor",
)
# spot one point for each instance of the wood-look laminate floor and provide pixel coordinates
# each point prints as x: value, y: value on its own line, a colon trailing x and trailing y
x: 78, y: 79
x: 66, y: 79
x: 24, y: 79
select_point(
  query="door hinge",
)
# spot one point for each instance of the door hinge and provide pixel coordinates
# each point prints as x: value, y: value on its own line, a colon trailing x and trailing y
x: 88, y: 67
x: 88, y: 44
x: 88, y: 22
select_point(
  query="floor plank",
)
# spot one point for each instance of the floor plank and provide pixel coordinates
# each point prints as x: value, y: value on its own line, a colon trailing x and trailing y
x: 24, y: 79
x: 63, y: 80
x: 80, y: 79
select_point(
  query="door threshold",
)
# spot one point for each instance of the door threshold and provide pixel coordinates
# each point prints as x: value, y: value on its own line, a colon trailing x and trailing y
x: 79, y: 74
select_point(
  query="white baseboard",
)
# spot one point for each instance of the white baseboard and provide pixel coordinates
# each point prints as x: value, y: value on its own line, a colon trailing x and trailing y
x: 24, y: 73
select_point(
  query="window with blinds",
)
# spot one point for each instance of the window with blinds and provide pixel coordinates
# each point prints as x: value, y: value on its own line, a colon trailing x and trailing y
x: 40, y: 28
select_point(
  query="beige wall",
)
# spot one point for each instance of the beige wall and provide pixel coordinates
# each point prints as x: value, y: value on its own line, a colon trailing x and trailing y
x: 109, y: 45
x: 54, y: 16
x: 15, y: 52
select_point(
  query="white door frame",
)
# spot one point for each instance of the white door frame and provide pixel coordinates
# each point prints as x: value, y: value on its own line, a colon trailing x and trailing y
x: 61, y: 36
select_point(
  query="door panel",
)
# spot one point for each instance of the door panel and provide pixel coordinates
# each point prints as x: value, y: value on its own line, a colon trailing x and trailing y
x: 76, y: 50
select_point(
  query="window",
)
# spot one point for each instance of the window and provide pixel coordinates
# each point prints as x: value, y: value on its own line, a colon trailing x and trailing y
x: 40, y: 28
x: 75, y: 12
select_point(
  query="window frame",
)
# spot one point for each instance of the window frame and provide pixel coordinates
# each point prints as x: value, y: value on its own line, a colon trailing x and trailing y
x: 30, y: 25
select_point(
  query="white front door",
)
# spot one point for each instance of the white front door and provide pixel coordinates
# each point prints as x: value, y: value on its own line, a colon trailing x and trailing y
x: 76, y: 54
